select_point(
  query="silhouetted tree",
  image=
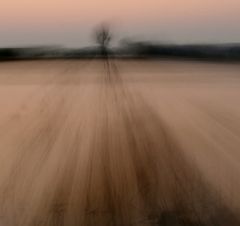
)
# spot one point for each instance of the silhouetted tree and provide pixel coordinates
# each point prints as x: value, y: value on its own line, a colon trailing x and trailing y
x: 103, y: 37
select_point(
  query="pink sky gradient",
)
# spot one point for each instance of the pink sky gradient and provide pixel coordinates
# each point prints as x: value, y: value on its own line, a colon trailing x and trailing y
x: 62, y: 21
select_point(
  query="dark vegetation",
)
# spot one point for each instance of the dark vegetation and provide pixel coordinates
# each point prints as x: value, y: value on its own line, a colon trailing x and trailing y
x: 147, y: 50
x: 202, y: 52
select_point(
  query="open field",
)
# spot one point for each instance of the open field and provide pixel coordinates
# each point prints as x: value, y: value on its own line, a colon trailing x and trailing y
x: 119, y: 143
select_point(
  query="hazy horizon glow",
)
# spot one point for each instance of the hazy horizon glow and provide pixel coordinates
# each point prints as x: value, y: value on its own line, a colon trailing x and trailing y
x: 70, y: 22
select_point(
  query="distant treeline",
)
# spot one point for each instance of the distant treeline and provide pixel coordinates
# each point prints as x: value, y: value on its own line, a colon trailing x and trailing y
x: 204, y: 52
x: 37, y: 53
x: 228, y: 52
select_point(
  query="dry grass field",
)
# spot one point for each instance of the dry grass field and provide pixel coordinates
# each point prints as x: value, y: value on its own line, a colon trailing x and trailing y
x: 89, y: 142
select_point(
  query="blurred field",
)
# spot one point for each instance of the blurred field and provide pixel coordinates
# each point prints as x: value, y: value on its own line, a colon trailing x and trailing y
x: 119, y: 143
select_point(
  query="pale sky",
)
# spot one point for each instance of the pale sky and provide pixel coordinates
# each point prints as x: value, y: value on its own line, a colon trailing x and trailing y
x: 70, y: 22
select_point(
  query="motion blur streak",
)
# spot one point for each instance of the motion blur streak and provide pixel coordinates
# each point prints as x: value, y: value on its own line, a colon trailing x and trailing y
x: 111, y: 142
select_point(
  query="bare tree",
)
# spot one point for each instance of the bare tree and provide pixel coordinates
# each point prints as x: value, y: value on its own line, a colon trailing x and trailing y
x: 103, y: 37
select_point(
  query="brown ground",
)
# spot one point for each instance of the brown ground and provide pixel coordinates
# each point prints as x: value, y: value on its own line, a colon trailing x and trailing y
x: 119, y: 143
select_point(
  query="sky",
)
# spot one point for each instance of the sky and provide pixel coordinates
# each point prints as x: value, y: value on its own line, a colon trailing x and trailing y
x: 71, y: 22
